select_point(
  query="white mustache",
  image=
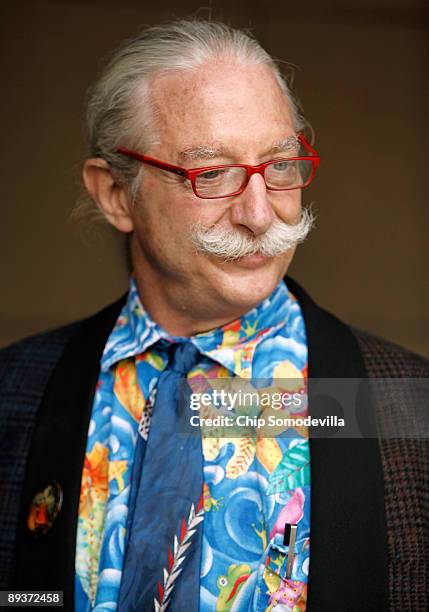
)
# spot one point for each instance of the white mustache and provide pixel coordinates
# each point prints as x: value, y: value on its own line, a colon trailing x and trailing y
x: 231, y: 244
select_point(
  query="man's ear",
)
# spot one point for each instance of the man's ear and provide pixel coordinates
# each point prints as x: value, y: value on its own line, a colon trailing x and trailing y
x: 110, y: 196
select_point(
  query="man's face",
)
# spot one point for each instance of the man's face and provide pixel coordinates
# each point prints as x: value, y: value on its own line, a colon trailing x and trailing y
x: 240, y: 114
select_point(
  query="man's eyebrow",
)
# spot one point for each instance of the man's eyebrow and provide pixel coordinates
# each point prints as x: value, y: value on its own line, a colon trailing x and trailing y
x: 291, y: 143
x: 200, y: 153
x: 204, y: 152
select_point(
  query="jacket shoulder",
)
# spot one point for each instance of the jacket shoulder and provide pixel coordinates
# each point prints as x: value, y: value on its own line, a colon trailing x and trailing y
x: 25, y: 364
x: 385, y: 359
x: 30, y: 357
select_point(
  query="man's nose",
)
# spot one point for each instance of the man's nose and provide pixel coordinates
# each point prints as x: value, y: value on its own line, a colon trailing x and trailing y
x: 252, y: 208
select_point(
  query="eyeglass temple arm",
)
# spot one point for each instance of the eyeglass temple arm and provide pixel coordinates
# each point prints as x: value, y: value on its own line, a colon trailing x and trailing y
x: 305, y: 142
x: 153, y: 162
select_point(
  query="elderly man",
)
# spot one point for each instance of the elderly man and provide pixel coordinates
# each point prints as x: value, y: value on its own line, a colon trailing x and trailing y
x: 197, y: 154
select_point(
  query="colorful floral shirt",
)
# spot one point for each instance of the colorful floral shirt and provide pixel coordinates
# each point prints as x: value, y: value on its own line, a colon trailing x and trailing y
x: 253, y: 485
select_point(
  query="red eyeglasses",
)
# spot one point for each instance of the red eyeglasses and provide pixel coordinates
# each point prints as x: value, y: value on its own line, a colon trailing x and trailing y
x: 223, y: 181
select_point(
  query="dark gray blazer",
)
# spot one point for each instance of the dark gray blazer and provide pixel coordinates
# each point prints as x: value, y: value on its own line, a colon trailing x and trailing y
x: 369, y: 497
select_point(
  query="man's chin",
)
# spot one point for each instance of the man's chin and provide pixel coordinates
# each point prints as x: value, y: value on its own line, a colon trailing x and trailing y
x: 246, y: 282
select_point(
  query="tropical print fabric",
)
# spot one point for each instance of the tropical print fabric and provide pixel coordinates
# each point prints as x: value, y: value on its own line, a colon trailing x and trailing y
x: 253, y: 485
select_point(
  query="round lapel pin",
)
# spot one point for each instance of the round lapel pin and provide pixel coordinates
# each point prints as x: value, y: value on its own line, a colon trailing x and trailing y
x: 44, y: 509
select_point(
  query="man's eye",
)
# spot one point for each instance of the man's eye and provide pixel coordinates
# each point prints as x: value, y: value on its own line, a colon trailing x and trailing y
x: 211, y: 175
x: 281, y: 166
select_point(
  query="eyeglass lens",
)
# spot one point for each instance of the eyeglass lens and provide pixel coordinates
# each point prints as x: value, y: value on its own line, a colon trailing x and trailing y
x: 284, y: 174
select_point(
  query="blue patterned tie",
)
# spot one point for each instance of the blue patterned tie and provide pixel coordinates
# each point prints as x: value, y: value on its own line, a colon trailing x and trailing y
x: 162, y: 563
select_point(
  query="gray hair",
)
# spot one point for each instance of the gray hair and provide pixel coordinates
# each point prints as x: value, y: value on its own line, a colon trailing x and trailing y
x: 124, y: 85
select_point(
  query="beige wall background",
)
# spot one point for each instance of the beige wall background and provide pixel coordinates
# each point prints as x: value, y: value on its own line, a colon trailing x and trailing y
x: 362, y: 78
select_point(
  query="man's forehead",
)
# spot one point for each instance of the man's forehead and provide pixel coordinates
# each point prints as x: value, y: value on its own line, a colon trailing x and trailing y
x: 200, y: 152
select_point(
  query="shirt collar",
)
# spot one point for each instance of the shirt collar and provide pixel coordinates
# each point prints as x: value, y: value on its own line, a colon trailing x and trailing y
x: 231, y: 345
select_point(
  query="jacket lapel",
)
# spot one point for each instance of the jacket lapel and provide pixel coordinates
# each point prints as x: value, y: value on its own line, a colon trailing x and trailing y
x: 348, y: 558
x: 46, y: 561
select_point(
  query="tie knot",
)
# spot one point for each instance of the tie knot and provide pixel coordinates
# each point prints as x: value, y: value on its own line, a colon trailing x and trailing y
x: 183, y: 357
